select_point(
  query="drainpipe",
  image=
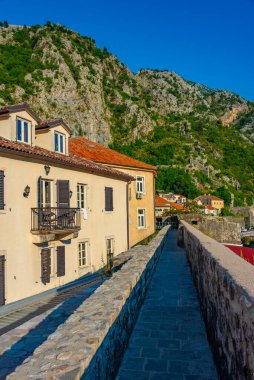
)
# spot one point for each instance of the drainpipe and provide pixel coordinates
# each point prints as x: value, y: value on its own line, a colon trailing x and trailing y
x: 127, y: 213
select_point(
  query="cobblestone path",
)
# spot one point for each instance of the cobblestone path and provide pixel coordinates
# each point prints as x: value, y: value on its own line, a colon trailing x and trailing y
x: 169, y: 339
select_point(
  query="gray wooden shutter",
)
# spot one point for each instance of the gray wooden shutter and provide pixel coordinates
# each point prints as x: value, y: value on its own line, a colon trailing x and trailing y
x: 2, y: 190
x: 2, y: 280
x: 45, y: 266
x: 39, y: 192
x: 108, y: 199
x: 60, y: 261
x: 63, y: 194
x: 111, y: 198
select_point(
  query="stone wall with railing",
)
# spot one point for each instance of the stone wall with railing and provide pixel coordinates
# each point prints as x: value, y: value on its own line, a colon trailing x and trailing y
x: 91, y: 342
x: 225, y: 284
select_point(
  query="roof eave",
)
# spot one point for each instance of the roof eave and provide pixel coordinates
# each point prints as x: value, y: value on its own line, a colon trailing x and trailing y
x: 58, y: 123
x: 21, y: 107
x: 128, y: 166
x: 125, y: 178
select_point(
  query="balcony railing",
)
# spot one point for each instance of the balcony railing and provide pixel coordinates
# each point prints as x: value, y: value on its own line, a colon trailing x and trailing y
x: 55, y: 219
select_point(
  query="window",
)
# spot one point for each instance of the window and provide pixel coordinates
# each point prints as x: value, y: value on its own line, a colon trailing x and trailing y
x: 140, y: 184
x: 81, y: 196
x: 2, y: 190
x: 59, y: 142
x: 83, y: 253
x: 110, y: 247
x: 46, y: 193
x: 141, y: 218
x: 23, y: 130
x: 110, y: 254
x: 50, y: 268
x: 108, y: 199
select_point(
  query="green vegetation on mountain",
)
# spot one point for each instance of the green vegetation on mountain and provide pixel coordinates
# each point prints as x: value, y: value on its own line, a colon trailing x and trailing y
x: 200, y: 138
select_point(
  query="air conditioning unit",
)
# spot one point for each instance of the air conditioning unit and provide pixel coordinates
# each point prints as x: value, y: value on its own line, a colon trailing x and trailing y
x: 139, y: 195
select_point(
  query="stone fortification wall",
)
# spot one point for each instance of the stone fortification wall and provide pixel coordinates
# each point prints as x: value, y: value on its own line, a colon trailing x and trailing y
x: 221, y: 230
x: 247, y: 212
x: 225, y: 284
x: 91, y: 343
x: 234, y: 219
x: 192, y: 218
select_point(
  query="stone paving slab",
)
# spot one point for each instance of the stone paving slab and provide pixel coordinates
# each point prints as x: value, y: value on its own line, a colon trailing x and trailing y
x: 169, y: 339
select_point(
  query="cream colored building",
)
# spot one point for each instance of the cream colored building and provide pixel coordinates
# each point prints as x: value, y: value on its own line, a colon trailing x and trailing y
x: 210, y: 200
x: 60, y: 216
x: 141, y: 192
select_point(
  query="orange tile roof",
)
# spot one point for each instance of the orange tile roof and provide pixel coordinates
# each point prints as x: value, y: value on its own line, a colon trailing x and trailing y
x: 161, y: 202
x: 57, y: 158
x: 80, y: 146
x: 177, y: 206
x: 210, y: 207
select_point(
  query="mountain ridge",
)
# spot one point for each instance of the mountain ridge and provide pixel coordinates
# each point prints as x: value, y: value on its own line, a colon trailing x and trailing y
x: 153, y: 115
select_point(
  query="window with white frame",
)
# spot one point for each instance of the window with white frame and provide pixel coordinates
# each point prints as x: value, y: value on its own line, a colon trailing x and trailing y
x: 110, y: 246
x: 59, y: 142
x: 83, y: 254
x: 82, y: 196
x: 46, y: 193
x: 141, y: 218
x: 140, y: 184
x: 23, y: 130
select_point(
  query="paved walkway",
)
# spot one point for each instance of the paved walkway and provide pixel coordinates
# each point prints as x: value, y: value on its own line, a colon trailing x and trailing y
x: 19, y: 343
x: 24, y: 312
x: 169, y: 339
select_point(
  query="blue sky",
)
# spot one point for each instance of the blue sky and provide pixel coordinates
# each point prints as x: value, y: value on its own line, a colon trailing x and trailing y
x: 208, y: 41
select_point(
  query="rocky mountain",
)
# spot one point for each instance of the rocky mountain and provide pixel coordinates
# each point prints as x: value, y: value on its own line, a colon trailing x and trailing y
x: 156, y: 116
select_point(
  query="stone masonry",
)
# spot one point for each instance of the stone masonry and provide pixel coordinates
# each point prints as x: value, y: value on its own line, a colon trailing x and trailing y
x: 220, y: 229
x: 225, y: 284
x: 91, y: 342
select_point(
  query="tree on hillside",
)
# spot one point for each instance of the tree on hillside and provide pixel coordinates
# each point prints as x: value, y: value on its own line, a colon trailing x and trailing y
x: 224, y: 194
x: 177, y: 181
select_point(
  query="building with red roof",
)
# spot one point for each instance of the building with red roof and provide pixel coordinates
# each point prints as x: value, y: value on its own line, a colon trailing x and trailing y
x: 141, y: 192
x: 210, y: 200
x: 176, y: 198
x: 162, y: 205
x: 82, y: 147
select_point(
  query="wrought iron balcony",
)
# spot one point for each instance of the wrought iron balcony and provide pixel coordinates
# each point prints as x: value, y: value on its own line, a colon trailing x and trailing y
x: 55, y: 220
